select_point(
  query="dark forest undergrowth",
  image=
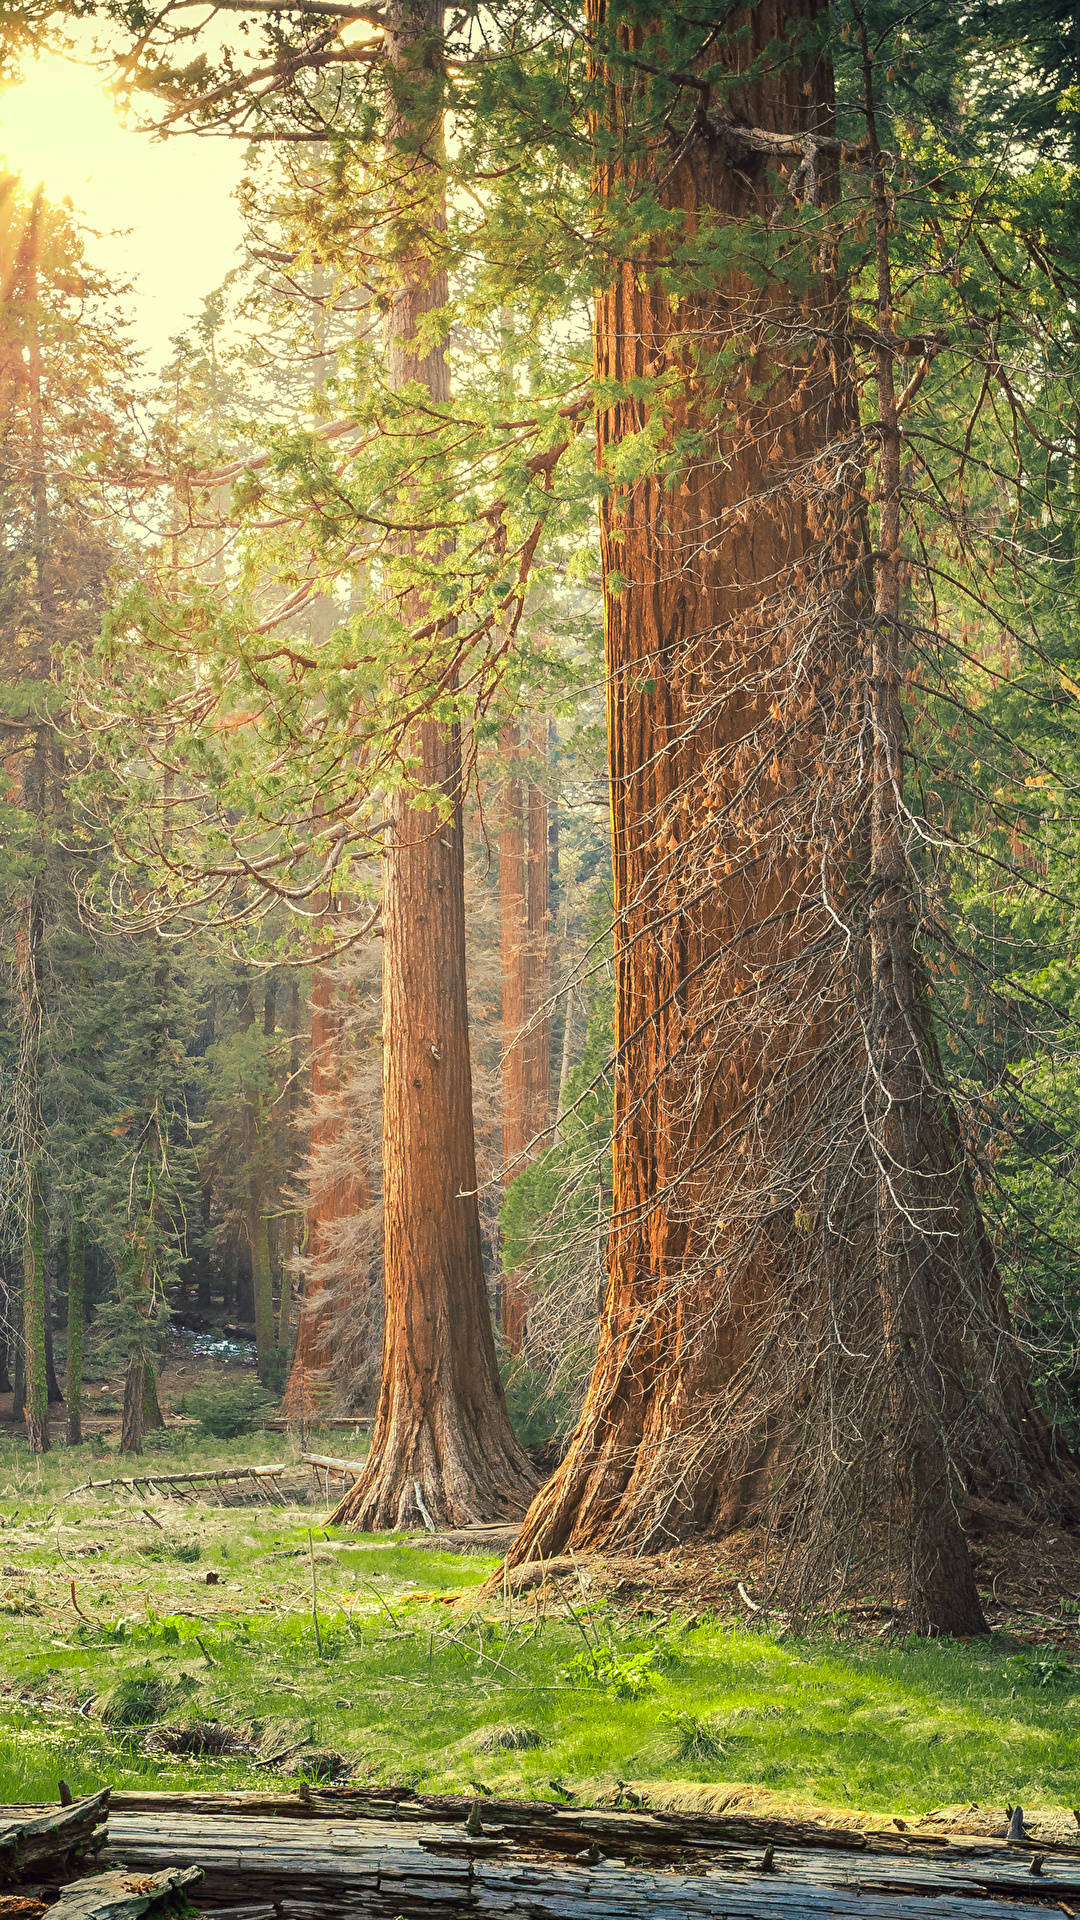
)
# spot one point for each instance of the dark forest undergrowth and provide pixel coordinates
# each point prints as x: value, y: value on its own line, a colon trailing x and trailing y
x: 152, y: 1643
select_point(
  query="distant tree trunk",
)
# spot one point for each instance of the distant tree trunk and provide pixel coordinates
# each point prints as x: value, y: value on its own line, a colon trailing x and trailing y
x: 56, y: 1398
x: 262, y: 1272
x: 291, y: 1229
x: 524, y: 923
x: 76, y: 1317
x: 761, y: 1299
x: 513, y: 945
x: 566, y: 1060
x: 262, y: 1283
x: 133, y: 1415
x: 36, y: 1388
x: 30, y: 926
x: 442, y: 1438
x: 538, y: 1070
x: 10, y: 1319
x: 30, y: 933
x: 335, y: 1194
x: 142, y: 1409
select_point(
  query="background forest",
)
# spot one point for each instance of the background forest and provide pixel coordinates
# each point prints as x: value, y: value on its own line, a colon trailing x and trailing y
x: 249, y: 596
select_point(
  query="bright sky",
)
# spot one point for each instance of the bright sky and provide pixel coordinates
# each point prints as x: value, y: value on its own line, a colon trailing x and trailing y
x: 59, y: 126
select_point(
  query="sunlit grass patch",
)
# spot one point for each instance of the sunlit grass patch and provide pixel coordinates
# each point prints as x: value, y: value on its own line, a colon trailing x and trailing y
x: 121, y: 1622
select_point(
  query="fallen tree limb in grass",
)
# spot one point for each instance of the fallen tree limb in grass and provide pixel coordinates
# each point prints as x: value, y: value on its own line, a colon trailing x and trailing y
x: 137, y: 1483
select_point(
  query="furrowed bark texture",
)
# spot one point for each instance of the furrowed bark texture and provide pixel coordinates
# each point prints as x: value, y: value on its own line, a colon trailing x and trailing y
x: 442, y: 1444
x: 781, y: 1338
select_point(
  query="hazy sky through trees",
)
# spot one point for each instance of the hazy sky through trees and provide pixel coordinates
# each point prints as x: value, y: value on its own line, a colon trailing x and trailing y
x: 164, y: 209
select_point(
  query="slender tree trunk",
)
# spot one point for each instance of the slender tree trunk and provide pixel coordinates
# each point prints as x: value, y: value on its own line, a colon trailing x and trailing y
x: 133, y: 1414
x: 538, y: 1069
x: 335, y: 1194
x: 56, y: 1398
x: 262, y: 1283
x: 442, y: 1440
x: 30, y: 932
x: 291, y: 1229
x: 513, y: 944
x: 76, y: 1319
x: 262, y: 1271
x: 36, y: 1389
x: 566, y: 1057
x: 524, y: 922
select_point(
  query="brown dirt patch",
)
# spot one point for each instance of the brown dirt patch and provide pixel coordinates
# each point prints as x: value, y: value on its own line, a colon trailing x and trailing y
x: 1029, y: 1579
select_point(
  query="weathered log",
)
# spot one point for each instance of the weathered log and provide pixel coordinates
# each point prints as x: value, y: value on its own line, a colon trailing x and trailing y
x: 328, y: 1463
x: 377, y: 1868
x: 52, y: 1843
x: 124, y: 1895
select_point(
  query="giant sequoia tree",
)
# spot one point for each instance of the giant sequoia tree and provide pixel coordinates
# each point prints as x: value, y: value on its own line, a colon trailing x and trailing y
x: 803, y: 1320
x: 442, y: 1439
x: 370, y: 755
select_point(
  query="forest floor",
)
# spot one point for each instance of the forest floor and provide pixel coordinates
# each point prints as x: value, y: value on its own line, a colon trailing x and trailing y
x: 153, y: 1642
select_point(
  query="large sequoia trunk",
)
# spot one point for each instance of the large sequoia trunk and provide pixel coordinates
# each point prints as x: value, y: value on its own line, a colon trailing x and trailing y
x: 442, y: 1447
x: 783, y: 1337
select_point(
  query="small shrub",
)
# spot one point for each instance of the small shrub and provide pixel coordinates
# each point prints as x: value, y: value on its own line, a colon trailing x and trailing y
x: 506, y: 1740
x: 227, y: 1412
x: 624, y: 1676
x: 184, y: 1551
x: 277, y: 1371
x: 1042, y: 1670
x: 136, y: 1701
x: 317, y: 1769
x: 695, y: 1739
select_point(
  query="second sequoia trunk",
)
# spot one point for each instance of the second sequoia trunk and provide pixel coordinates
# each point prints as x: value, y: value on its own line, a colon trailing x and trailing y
x: 775, y: 1343
x: 442, y: 1449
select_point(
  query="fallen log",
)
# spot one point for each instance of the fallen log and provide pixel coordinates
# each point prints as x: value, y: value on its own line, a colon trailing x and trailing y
x: 138, y: 1482
x: 324, y: 1423
x: 122, y: 1895
x: 556, y: 1863
x: 49, y: 1845
x: 327, y: 1463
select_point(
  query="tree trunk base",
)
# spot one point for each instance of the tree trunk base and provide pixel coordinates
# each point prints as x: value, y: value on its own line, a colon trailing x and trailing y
x: 432, y: 1476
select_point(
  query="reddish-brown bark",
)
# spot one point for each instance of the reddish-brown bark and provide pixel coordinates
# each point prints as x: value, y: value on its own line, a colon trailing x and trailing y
x: 442, y: 1446
x: 671, y: 631
x: 751, y: 1286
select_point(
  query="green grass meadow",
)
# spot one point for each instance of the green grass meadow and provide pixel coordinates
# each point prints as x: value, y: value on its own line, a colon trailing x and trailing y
x: 185, y: 1613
